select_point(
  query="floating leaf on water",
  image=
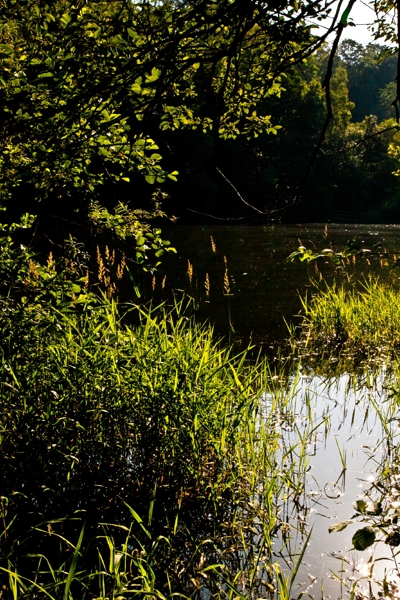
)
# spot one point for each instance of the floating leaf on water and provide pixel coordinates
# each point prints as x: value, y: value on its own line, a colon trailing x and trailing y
x: 363, y: 538
x: 339, y: 526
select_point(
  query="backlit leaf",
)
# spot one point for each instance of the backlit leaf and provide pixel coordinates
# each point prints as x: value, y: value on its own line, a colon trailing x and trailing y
x: 339, y: 526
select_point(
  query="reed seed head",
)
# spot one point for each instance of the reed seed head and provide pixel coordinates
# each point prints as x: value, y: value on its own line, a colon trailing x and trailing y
x: 51, y: 265
x: 227, y: 287
x: 100, y: 263
x: 207, y: 285
x: 190, y: 271
x: 33, y: 270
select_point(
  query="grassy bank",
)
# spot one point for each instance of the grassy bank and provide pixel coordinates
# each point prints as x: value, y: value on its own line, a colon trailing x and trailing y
x: 139, y: 456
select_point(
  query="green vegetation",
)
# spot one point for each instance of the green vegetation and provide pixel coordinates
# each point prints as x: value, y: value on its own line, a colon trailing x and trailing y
x: 138, y: 455
x: 90, y: 91
x: 353, y: 322
x: 99, y: 99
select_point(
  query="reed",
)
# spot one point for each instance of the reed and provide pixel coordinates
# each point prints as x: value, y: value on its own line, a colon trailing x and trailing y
x: 138, y: 458
x: 359, y: 322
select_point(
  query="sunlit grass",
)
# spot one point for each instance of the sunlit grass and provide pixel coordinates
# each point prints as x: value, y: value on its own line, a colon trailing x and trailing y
x: 360, y: 322
x: 140, y: 459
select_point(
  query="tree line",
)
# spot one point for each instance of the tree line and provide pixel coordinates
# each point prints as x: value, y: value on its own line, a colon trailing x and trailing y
x: 215, y: 108
x: 353, y: 173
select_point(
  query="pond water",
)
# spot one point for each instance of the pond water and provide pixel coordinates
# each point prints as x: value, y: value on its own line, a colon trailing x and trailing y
x: 240, y: 280
x: 356, y: 431
x: 263, y: 288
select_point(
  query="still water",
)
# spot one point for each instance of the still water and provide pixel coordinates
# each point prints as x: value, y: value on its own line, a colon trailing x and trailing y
x: 349, y: 455
x: 240, y: 281
x: 262, y: 290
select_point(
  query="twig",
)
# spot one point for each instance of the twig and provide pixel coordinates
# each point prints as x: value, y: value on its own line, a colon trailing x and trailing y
x: 239, y: 194
x: 327, y: 85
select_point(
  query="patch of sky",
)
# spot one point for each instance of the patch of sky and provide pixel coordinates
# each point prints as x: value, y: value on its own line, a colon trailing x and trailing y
x: 360, y: 23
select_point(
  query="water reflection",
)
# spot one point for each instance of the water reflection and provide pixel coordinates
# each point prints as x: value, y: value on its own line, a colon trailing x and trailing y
x: 351, y: 453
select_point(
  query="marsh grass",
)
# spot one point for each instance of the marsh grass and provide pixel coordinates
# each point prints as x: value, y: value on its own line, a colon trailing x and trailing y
x: 138, y: 456
x: 87, y: 393
x: 355, y: 323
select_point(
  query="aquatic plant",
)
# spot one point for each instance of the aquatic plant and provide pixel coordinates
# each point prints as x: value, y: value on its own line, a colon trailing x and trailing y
x: 353, y: 322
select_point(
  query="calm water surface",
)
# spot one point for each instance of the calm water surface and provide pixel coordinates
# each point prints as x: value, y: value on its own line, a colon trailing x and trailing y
x: 347, y: 456
x: 264, y: 288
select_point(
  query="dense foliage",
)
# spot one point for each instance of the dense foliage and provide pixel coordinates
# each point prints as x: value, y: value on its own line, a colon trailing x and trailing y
x: 86, y: 89
x: 352, y: 176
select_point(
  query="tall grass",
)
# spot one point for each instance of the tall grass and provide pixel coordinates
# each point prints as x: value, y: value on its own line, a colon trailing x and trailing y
x: 153, y: 404
x: 357, y: 322
x: 138, y: 455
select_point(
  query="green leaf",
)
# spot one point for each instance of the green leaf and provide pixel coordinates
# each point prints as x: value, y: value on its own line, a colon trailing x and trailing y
x: 155, y: 74
x: 65, y: 19
x: 363, y: 538
x: 6, y: 49
x: 360, y: 506
x: 339, y: 526
x: 135, y: 88
x: 173, y: 175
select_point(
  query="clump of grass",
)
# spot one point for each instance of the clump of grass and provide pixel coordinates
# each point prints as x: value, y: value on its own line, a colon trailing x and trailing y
x: 138, y: 455
x: 153, y: 427
x: 360, y: 322
x: 85, y: 395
